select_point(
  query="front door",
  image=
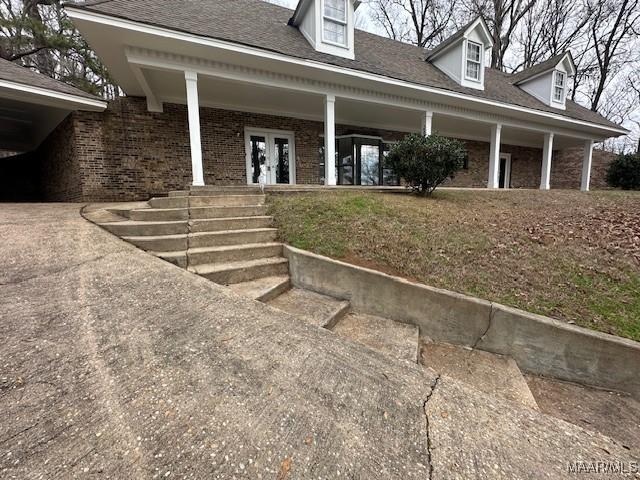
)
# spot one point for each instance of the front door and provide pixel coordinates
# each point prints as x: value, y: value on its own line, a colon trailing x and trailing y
x: 504, y: 175
x: 270, y: 156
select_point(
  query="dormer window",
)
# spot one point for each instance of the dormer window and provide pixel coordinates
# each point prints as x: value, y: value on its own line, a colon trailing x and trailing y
x: 461, y: 56
x: 559, y: 85
x: 474, y: 61
x: 327, y: 25
x: 335, y: 22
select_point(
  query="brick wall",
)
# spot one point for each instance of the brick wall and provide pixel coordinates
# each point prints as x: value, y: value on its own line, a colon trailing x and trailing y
x: 566, y: 168
x: 128, y: 153
x: 59, y: 167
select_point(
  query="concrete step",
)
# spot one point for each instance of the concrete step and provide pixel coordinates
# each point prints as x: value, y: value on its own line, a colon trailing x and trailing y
x: 315, y: 308
x: 198, y: 213
x: 159, y: 214
x: 398, y: 340
x: 223, y: 189
x: 121, y: 212
x: 159, y: 243
x: 236, y: 272
x: 211, y: 191
x: 233, y: 253
x: 263, y: 289
x: 232, y: 223
x: 178, y: 258
x: 207, y: 201
x: 490, y: 373
x: 232, y: 237
x: 133, y: 228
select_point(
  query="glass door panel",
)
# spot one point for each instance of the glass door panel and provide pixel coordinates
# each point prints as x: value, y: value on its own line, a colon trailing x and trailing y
x: 280, y: 164
x: 258, y: 146
x: 345, y: 161
x: 369, y: 164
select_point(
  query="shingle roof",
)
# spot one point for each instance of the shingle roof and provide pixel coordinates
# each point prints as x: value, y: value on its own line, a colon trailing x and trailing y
x: 537, y: 69
x: 264, y: 25
x: 449, y: 41
x: 13, y: 72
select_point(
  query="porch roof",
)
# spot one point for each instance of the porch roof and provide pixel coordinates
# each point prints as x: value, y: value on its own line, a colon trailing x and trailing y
x: 262, y: 25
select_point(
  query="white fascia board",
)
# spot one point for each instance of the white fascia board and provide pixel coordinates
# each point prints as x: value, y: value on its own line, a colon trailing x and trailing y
x: 236, y: 47
x: 49, y: 97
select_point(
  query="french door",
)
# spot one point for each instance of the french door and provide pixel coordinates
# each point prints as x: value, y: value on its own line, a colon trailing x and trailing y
x: 270, y: 156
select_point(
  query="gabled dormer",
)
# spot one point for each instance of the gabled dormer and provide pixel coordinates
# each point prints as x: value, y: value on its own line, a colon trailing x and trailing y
x: 462, y: 55
x: 548, y: 81
x: 328, y: 25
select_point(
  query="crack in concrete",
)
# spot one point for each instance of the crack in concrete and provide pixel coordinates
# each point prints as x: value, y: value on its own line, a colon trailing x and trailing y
x: 186, y: 253
x: 434, y: 384
x: 486, y: 330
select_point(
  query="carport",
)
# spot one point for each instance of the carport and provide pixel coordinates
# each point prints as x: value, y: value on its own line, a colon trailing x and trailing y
x: 32, y: 105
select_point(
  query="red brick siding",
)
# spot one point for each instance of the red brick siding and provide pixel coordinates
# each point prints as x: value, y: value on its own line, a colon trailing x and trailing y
x: 59, y: 166
x: 566, y: 168
x: 128, y: 153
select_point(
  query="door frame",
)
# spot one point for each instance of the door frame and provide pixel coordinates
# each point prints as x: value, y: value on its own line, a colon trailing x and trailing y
x: 507, y: 169
x: 269, y: 134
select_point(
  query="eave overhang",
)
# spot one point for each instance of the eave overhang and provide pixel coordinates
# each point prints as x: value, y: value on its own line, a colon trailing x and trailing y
x: 111, y: 48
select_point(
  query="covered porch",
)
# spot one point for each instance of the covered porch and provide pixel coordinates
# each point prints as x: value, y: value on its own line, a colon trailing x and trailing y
x: 357, y: 133
x: 262, y: 117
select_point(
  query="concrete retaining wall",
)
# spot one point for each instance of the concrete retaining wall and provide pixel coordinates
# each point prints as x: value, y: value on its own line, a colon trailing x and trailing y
x: 538, y: 344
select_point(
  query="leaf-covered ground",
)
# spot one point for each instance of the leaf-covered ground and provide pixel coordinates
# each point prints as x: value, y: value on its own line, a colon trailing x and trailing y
x: 569, y: 255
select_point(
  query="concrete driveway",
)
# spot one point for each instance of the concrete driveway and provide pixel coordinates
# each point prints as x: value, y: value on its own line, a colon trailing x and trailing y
x: 115, y: 364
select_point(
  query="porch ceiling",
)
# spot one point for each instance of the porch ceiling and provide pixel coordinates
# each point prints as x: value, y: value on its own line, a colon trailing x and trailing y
x: 169, y: 87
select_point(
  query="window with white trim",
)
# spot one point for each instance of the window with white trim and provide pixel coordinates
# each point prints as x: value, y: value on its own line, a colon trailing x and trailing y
x: 559, y: 86
x: 334, y: 22
x: 474, y: 61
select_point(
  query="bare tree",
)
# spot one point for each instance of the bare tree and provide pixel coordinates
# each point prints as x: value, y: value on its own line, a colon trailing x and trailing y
x: 550, y: 28
x: 503, y: 18
x: 422, y: 22
x: 614, y: 25
x: 38, y: 35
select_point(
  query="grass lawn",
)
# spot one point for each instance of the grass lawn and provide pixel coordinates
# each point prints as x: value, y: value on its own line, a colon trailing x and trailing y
x: 569, y: 255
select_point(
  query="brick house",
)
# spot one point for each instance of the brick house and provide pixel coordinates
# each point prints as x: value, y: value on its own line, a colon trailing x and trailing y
x: 244, y: 91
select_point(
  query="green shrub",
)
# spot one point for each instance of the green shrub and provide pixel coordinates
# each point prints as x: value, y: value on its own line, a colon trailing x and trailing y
x: 624, y: 172
x: 426, y: 162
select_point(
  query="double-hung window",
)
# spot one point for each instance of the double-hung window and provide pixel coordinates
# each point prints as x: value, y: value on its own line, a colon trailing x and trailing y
x: 474, y: 61
x: 334, y: 19
x: 559, y: 85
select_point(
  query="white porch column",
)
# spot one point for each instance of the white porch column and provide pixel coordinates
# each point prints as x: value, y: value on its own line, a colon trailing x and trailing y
x: 427, y: 121
x: 193, y: 107
x: 330, y: 140
x: 494, y: 156
x: 586, y: 165
x: 547, y: 151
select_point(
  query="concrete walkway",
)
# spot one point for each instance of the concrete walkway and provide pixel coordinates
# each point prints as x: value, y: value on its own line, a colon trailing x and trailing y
x: 114, y: 363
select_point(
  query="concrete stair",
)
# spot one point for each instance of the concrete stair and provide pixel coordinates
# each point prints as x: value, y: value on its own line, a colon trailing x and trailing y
x: 224, y: 235
x: 242, y: 271
x: 263, y: 289
x: 220, y: 233
x: 398, y: 340
x: 315, y: 308
x: 488, y: 372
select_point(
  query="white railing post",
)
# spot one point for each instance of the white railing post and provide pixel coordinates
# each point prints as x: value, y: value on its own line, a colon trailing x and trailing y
x: 193, y: 108
x: 547, y: 151
x: 330, y: 139
x: 427, y: 122
x: 494, y: 156
x: 586, y: 165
